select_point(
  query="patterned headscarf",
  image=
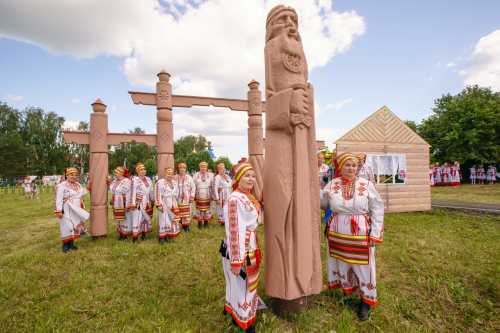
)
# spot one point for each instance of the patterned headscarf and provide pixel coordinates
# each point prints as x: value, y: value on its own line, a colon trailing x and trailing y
x: 344, y: 157
x: 169, y: 170
x: 362, y: 157
x: 220, y: 166
x: 239, y: 169
x: 321, y: 155
x: 70, y: 170
x: 138, y: 167
x: 122, y: 171
x: 181, y: 165
x: 201, y: 164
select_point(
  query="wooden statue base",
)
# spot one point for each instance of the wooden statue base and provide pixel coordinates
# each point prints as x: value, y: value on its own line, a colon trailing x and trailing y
x: 283, y: 306
x: 97, y: 238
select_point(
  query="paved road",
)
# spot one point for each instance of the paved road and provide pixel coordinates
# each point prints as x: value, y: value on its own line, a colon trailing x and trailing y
x: 487, y: 208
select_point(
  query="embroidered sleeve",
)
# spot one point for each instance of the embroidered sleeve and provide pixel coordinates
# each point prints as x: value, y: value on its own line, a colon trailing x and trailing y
x: 191, y: 180
x: 58, y: 198
x: 151, y: 190
x: 215, y: 187
x: 126, y: 189
x: 133, y: 190
x: 158, y: 188
x: 234, y: 215
x: 376, y: 212
x: 324, y: 195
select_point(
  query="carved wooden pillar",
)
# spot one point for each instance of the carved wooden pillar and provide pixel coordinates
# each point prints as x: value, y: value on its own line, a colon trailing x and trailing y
x: 256, y: 134
x: 98, y: 147
x: 164, y: 126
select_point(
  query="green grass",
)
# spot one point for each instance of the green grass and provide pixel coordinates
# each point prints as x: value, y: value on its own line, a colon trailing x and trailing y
x: 437, y: 271
x: 468, y: 193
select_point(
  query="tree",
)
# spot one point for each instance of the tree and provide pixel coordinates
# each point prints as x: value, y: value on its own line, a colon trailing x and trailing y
x: 13, y: 152
x: 465, y: 127
x: 226, y: 161
x: 133, y: 152
x: 82, y: 151
x: 186, y: 144
x: 194, y: 159
x: 412, y: 124
x: 151, y: 167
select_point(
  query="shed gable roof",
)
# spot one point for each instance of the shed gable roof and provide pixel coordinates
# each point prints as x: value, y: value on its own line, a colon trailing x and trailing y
x: 385, y: 127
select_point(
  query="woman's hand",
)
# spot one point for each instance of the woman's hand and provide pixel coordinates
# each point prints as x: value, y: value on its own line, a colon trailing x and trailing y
x: 133, y: 208
x: 217, y: 202
x: 89, y: 185
x: 127, y: 209
x: 236, y: 270
x: 59, y: 215
x: 191, y: 200
x: 160, y: 208
x: 373, y: 244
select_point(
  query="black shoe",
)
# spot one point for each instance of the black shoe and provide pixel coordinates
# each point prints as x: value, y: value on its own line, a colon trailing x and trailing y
x: 364, y: 311
x: 120, y: 237
x: 187, y: 229
x: 143, y: 237
x: 72, y: 246
x: 347, y: 302
x: 65, y: 247
x: 167, y: 238
x: 161, y: 241
x: 224, y: 312
x: 199, y: 225
x: 124, y: 238
x: 223, y: 225
x: 135, y: 240
x: 205, y: 225
x: 251, y: 329
x: 184, y: 227
x: 234, y: 322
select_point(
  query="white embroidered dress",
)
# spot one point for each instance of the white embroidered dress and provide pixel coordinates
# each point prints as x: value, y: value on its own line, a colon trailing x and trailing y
x: 120, y: 200
x: 221, y: 190
x: 366, y: 172
x: 491, y: 175
x: 203, y: 183
x: 480, y: 174
x: 472, y: 173
x: 322, y: 169
x: 455, y: 175
x: 186, y: 192
x: 241, y: 221
x: 350, y: 260
x: 166, y: 197
x: 141, y: 197
x: 432, y: 177
x: 68, y: 201
x: 437, y: 175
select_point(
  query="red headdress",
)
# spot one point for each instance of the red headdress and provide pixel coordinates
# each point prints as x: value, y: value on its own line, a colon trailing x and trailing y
x: 169, y: 170
x: 203, y: 163
x: 70, y: 170
x: 122, y: 171
x: 138, y: 167
x: 340, y: 161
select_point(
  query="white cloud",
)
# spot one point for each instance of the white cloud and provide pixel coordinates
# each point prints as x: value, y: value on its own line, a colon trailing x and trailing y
x: 153, y: 131
x: 75, y: 101
x: 70, y: 125
x: 14, y: 98
x: 329, y: 134
x: 483, y: 66
x: 438, y: 64
x: 215, y: 48
x: 429, y: 79
x: 451, y: 64
x: 319, y: 110
x: 113, y: 107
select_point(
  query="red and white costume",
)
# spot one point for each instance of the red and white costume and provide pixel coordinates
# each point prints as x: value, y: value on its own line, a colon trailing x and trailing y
x: 491, y: 176
x: 203, y: 183
x: 472, y: 173
x: 166, y: 197
x: 446, y: 175
x: 68, y: 201
x: 141, y: 197
x: 431, y: 172
x: 350, y: 259
x: 455, y: 175
x: 480, y: 174
x: 241, y: 220
x: 437, y: 175
x: 221, y: 190
x: 366, y: 172
x: 322, y: 169
x: 186, y: 188
x: 120, y: 200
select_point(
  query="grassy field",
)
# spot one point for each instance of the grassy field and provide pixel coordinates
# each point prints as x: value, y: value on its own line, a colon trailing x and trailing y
x: 437, y: 271
x: 468, y: 193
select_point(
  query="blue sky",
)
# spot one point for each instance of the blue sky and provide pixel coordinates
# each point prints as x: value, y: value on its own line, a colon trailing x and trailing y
x: 361, y: 54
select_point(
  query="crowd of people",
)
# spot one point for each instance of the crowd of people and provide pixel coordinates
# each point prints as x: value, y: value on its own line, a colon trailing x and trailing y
x: 354, y: 227
x: 447, y: 174
x: 481, y: 175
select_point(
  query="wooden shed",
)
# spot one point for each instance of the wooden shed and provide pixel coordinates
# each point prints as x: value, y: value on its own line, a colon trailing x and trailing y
x: 399, y: 158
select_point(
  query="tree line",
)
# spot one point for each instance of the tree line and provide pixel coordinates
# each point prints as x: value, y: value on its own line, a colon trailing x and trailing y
x: 32, y: 143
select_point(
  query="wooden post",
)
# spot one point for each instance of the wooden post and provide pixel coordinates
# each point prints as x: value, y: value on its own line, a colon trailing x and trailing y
x: 256, y: 135
x: 164, y: 126
x: 98, y: 146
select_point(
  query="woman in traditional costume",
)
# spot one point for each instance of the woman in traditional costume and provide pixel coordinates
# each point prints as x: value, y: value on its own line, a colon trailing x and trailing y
x: 473, y: 175
x: 120, y: 201
x: 322, y: 169
x: 203, y: 183
x: 365, y: 171
x: 70, y: 209
x: 480, y: 175
x: 431, y: 172
x: 141, y: 202
x: 34, y: 190
x: 491, y: 175
x: 437, y: 175
x: 455, y: 174
x: 221, y: 190
x: 446, y: 174
x: 186, y: 187
x: 240, y: 249
x: 352, y: 238
x: 166, y: 192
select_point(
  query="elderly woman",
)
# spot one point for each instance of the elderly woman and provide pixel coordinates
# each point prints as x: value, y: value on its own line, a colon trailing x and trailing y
x: 203, y: 183
x: 70, y: 209
x: 120, y: 201
x: 221, y: 190
x: 364, y: 170
x: 141, y: 198
x: 240, y: 249
x: 186, y: 187
x: 166, y: 192
x: 351, y: 236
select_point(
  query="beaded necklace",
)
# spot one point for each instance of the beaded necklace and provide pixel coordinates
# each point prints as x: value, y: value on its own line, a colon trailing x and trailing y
x: 348, y: 188
x: 252, y: 198
x: 169, y: 183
